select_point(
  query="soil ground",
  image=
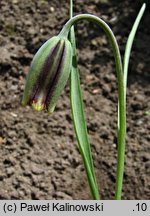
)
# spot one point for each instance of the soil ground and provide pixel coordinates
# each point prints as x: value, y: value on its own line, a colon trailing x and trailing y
x: 39, y: 156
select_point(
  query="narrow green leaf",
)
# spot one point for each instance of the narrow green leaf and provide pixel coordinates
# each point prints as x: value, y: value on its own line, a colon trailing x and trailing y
x: 80, y: 127
x: 79, y: 118
x: 78, y: 115
x: 129, y: 45
x: 120, y: 162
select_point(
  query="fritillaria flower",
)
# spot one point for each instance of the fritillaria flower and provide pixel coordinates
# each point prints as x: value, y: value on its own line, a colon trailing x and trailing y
x: 48, y: 74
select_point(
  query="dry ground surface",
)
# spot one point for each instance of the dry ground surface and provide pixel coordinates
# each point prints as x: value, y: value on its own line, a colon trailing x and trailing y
x: 39, y: 156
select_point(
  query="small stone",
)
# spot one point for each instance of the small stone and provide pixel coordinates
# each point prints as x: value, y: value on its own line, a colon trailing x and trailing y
x: 106, y: 90
x: 96, y: 91
x: 14, y: 87
x: 139, y: 97
x: 31, y: 31
x: 11, y: 134
x: 2, y: 140
x: 37, y: 171
x: 139, y: 122
x: 15, y: 1
x: 52, y: 9
x: 10, y: 171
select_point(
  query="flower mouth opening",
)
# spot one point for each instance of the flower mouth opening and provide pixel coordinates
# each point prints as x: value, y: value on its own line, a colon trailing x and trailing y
x: 38, y: 105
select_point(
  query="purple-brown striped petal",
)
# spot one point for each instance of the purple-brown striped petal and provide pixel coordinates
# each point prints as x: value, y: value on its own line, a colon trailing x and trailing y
x: 48, y: 74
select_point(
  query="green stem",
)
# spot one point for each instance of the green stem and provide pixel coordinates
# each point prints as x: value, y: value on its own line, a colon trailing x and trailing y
x: 121, y: 97
x: 71, y: 9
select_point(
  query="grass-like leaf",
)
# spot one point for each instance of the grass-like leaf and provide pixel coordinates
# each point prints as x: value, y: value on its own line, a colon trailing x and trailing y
x: 129, y: 45
x: 81, y: 130
x: 79, y: 117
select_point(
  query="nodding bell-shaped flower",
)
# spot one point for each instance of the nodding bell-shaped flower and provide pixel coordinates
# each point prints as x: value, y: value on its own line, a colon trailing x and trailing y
x: 48, y: 74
